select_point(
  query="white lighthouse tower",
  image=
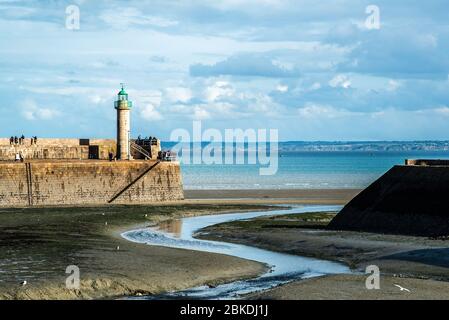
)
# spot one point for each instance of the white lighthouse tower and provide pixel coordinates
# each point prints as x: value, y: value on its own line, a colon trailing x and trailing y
x: 123, y: 107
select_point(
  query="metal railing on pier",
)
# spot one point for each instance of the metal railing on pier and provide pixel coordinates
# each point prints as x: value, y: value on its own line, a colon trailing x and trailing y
x: 141, y: 150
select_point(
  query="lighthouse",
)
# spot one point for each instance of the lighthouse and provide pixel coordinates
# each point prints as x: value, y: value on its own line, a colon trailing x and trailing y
x: 123, y: 107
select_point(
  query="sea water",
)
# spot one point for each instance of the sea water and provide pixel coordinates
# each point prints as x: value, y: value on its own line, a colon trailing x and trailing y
x: 303, y: 170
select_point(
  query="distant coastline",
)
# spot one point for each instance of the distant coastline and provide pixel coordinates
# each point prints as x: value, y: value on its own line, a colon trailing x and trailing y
x: 368, y: 146
x: 311, y: 166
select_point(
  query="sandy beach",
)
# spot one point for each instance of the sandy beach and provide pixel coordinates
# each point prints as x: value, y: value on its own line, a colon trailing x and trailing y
x: 352, y: 287
x: 415, y: 262
x: 278, y: 196
x: 39, y: 243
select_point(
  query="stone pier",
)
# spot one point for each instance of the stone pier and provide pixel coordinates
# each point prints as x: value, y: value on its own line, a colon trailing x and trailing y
x: 71, y: 182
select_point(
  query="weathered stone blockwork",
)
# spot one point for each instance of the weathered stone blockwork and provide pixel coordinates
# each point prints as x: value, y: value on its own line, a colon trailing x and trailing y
x: 88, y: 182
x: 56, y: 149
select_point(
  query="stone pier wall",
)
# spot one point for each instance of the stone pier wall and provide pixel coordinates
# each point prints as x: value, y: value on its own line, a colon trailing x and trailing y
x: 88, y: 182
x: 56, y: 148
x: 408, y: 200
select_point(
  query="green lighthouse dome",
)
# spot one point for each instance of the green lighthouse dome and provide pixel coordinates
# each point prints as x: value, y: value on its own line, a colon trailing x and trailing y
x: 122, y: 101
x: 122, y: 92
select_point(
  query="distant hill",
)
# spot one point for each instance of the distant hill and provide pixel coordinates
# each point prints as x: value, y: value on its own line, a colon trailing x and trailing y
x: 365, y: 146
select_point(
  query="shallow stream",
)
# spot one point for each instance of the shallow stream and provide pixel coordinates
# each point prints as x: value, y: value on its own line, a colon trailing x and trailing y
x: 284, y: 268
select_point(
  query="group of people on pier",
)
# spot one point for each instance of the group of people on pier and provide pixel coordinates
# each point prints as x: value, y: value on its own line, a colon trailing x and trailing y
x: 14, y: 140
x: 147, y: 141
x: 166, y: 156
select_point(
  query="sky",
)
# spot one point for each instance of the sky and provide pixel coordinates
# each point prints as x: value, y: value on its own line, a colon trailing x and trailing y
x: 314, y: 70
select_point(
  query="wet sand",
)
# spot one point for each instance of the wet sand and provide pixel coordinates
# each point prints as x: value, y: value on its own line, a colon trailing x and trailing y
x: 295, y: 196
x: 408, y: 261
x: 352, y: 287
x: 39, y: 243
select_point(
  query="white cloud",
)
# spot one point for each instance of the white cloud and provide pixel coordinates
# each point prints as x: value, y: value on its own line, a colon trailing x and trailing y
x: 271, y: 57
x: 94, y: 94
x: 315, y: 86
x: 219, y: 90
x: 393, y: 85
x: 125, y: 17
x: 311, y: 110
x: 144, y: 97
x: 98, y: 99
x: 282, y: 88
x: 150, y: 113
x: 147, y: 103
x: 444, y: 111
x: 16, y: 11
x: 219, y: 110
x: 178, y: 94
x: 179, y: 109
x: 200, y: 113
x: 261, y: 104
x: 31, y: 111
x: 340, y: 80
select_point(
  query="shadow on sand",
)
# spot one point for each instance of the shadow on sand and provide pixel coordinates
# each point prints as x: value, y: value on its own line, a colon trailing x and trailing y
x: 436, y: 257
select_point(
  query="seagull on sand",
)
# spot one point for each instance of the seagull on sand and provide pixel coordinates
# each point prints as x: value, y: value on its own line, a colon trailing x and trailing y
x: 23, y: 283
x: 118, y: 248
x: 402, y: 288
x: 106, y: 223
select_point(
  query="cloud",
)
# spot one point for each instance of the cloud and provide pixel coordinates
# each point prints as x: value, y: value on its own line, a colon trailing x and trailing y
x: 148, y: 104
x: 399, y: 53
x: 219, y: 90
x: 150, y: 113
x: 31, y: 111
x: 393, y: 85
x: 105, y: 64
x: 245, y: 65
x: 444, y: 111
x: 178, y: 94
x: 261, y: 104
x: 340, y: 80
x: 315, y: 86
x: 216, y: 110
x: 282, y: 88
x: 90, y: 95
x: 15, y: 12
x: 200, y: 113
x: 158, y: 59
x: 321, y: 111
x: 126, y: 17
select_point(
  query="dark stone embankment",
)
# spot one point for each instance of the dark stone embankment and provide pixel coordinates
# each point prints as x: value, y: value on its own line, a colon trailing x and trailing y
x: 407, y: 200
